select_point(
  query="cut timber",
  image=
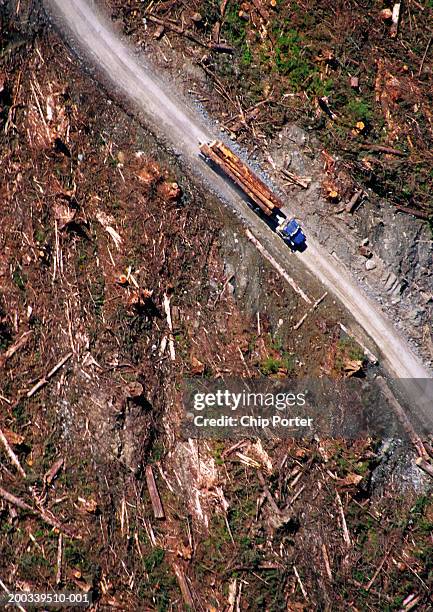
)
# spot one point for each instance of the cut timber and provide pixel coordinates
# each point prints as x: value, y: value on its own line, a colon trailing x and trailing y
x: 158, y: 510
x: 240, y: 174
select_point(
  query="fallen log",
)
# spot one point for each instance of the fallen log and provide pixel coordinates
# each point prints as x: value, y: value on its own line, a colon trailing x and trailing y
x: 14, y: 348
x: 313, y: 307
x: 277, y: 266
x: 425, y: 466
x: 47, y: 517
x: 220, y: 47
x: 44, y: 380
x: 12, y: 456
x: 155, y: 499
x: 381, y: 149
x: 350, y: 206
x: 403, y: 418
x: 184, y: 587
x: 412, y: 211
x: 395, y: 19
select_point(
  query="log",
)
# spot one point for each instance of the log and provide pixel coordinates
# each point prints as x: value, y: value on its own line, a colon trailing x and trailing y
x: 184, y: 587
x: 50, y: 374
x: 404, y: 420
x: 12, y: 456
x: 277, y: 266
x: 412, y: 211
x: 302, y: 181
x: 44, y: 514
x: 220, y: 47
x: 381, y: 149
x: 395, y: 18
x: 14, y: 348
x: 235, y: 169
x: 425, y: 466
x: 350, y: 206
x: 245, y: 171
x: 155, y: 499
x: 169, y: 25
x: 313, y: 307
x: 236, y: 178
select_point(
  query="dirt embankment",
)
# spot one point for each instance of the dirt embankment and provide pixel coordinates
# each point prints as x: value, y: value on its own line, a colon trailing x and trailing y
x: 101, y: 234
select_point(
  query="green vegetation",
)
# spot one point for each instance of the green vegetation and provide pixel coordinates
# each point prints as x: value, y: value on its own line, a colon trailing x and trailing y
x: 19, y: 278
x: 272, y: 365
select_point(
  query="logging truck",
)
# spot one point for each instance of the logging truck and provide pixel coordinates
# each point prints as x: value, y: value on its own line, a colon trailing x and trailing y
x: 257, y: 191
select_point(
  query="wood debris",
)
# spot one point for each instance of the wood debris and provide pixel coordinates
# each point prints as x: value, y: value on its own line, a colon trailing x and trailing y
x: 43, y: 381
x: 173, y: 27
x: 44, y: 514
x: 51, y: 474
x: 415, y: 212
x: 302, y: 181
x: 13, y: 348
x: 263, y: 12
x: 381, y: 149
x: 395, y: 20
x: 313, y: 307
x: 425, y: 466
x: 346, y: 536
x: 184, y: 587
x: 402, y: 417
x: 326, y: 561
x: 155, y: 499
x: 12, y: 456
x: 301, y: 585
x: 59, y: 559
x: 166, y: 303
x: 354, y: 200
x: 277, y: 266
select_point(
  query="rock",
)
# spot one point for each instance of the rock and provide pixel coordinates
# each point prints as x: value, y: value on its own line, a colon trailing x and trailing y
x: 370, y: 264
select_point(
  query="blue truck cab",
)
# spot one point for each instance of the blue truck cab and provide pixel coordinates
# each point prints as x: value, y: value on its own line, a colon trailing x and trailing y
x: 292, y: 233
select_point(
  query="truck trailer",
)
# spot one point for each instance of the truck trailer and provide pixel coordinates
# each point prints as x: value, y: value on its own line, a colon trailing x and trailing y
x: 257, y: 191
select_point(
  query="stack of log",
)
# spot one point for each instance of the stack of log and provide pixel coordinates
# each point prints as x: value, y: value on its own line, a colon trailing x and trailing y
x: 235, y: 169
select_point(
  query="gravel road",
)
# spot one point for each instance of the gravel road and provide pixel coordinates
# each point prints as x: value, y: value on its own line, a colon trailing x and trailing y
x: 183, y: 128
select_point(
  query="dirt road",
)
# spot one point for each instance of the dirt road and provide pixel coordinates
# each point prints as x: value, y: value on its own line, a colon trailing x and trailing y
x: 183, y: 128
